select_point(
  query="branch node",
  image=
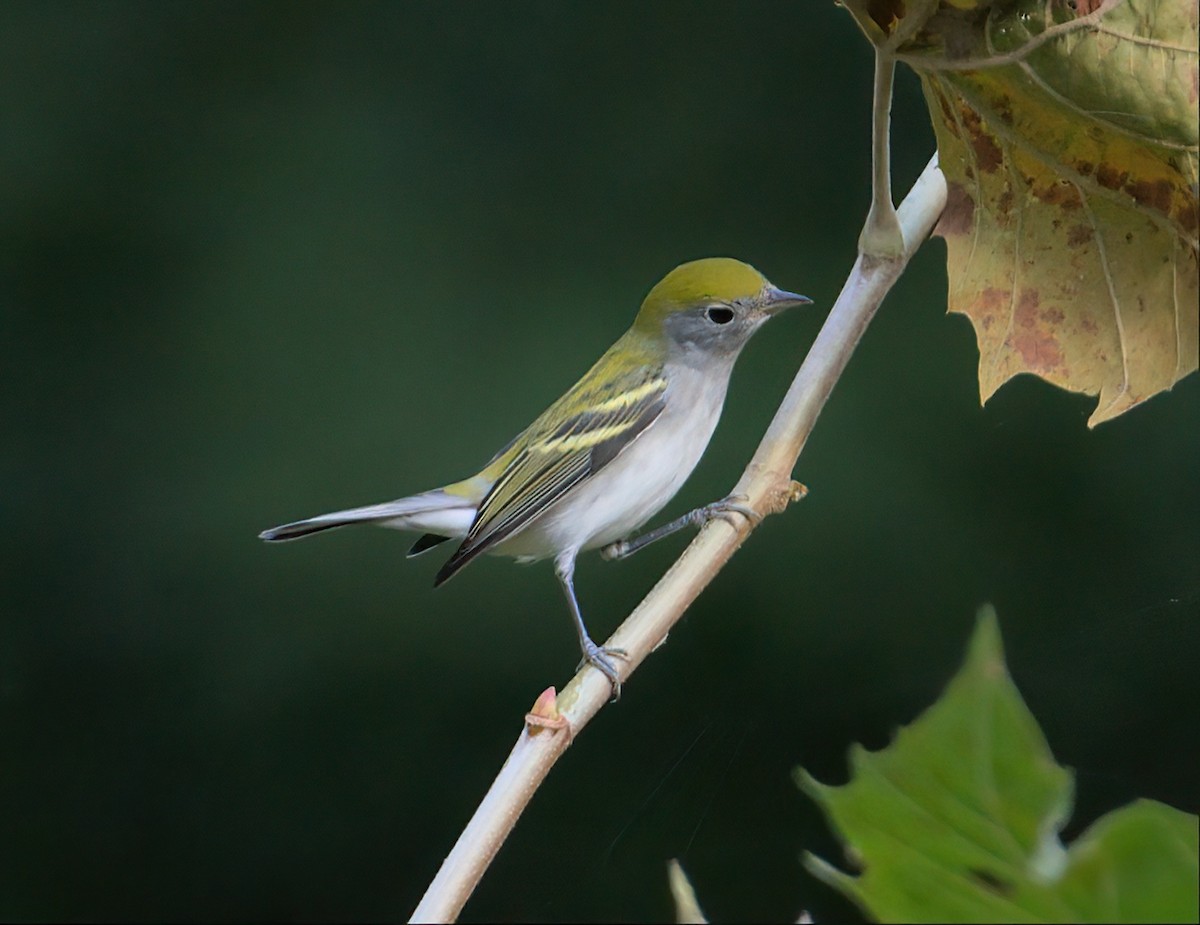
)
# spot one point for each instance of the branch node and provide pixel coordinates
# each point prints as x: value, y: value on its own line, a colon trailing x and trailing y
x: 544, y: 714
x: 780, y: 492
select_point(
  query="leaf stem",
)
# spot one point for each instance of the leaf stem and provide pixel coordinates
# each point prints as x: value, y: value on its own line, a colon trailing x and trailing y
x: 881, y: 235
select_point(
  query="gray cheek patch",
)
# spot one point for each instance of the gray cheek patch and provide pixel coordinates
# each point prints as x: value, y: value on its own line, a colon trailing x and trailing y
x: 693, y: 329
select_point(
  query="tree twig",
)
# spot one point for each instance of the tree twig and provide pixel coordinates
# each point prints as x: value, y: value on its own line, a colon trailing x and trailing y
x: 768, y: 487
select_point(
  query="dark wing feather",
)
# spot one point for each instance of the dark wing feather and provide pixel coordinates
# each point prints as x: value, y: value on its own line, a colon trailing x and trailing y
x: 426, y: 543
x: 555, y: 459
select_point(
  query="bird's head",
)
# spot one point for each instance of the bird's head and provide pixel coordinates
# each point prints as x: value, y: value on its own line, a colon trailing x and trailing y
x: 712, y: 306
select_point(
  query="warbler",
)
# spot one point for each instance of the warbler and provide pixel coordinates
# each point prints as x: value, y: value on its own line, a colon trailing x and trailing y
x: 610, y: 453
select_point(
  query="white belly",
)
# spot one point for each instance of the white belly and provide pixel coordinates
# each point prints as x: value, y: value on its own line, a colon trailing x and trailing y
x: 637, y: 484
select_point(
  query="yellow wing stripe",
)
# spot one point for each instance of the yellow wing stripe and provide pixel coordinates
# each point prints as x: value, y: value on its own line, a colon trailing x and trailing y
x: 604, y: 419
x: 586, y: 440
x: 628, y: 398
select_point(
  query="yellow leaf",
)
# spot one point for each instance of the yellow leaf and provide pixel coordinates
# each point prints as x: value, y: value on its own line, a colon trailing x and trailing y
x: 687, y: 908
x: 1068, y: 133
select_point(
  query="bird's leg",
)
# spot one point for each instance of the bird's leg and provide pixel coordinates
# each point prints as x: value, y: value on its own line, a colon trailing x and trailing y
x: 600, y: 657
x: 725, y: 508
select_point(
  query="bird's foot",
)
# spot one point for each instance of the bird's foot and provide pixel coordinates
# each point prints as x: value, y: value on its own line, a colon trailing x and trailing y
x: 601, y: 658
x: 725, y: 509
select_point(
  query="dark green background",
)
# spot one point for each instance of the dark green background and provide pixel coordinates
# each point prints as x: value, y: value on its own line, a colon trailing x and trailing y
x: 259, y: 261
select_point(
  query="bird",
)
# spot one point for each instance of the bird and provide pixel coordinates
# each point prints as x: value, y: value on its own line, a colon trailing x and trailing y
x: 609, y: 454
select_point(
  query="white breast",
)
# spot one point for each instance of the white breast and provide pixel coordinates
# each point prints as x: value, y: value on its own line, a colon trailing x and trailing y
x: 637, y: 484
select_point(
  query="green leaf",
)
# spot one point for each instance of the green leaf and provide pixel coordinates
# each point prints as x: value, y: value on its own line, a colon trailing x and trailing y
x: 958, y: 820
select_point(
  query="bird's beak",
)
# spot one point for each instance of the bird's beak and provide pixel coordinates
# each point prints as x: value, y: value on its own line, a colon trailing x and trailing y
x: 775, y: 300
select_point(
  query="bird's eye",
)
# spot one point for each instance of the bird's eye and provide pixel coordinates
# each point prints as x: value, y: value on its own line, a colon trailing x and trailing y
x: 719, y: 314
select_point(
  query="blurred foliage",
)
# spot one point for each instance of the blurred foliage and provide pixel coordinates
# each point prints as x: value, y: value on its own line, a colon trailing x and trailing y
x: 958, y: 819
x: 261, y: 260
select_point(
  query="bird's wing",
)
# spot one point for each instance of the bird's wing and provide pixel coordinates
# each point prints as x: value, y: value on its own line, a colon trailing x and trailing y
x: 554, y: 458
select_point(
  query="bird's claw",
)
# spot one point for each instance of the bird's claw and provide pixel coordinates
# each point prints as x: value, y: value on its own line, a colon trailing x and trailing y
x: 725, y: 509
x: 600, y: 658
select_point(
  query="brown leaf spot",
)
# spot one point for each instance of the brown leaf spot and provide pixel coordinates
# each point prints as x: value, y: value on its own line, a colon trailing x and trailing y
x: 1188, y: 216
x: 1079, y: 235
x: 1084, y: 168
x: 1195, y: 91
x: 1005, y: 202
x: 1108, y: 176
x: 987, y: 152
x: 1058, y: 193
x: 993, y: 298
x: 959, y: 215
x: 1156, y: 195
x: 1027, y: 306
x: 1035, y: 340
x: 947, y: 114
x: 1088, y: 323
x: 988, y: 308
x: 1039, y: 350
x: 1084, y: 7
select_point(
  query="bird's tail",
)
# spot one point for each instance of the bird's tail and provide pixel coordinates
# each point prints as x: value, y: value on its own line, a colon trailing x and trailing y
x: 437, y: 511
